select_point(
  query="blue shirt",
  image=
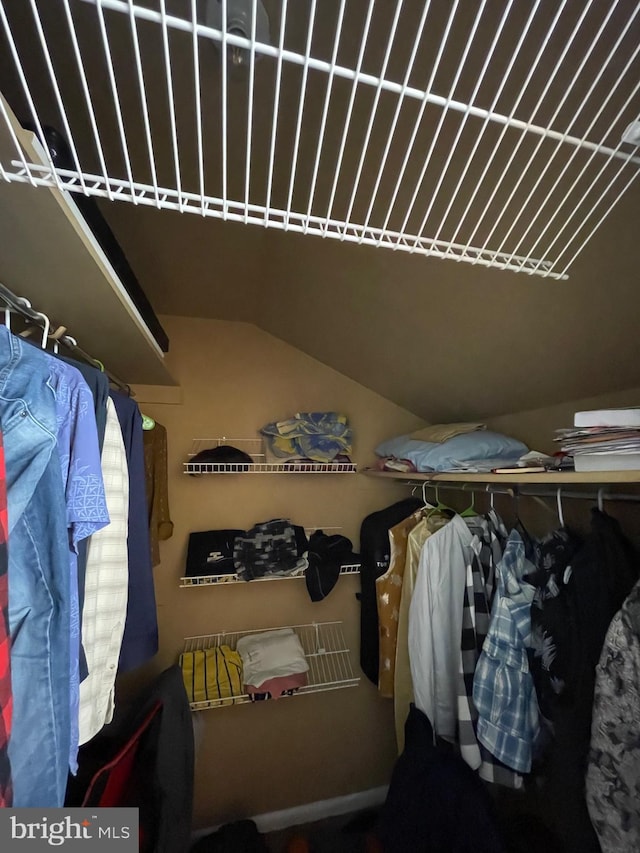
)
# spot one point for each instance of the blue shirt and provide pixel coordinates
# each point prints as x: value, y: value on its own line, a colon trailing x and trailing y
x: 503, y: 689
x: 86, y: 508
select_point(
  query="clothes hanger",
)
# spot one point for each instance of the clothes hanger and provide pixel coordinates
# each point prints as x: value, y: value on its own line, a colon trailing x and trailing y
x: 601, y: 499
x: 559, y: 502
x: 427, y: 504
x: 470, y: 511
x: 45, y: 329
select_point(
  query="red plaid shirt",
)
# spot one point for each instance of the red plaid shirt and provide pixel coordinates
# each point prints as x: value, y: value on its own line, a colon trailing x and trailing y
x: 6, y: 701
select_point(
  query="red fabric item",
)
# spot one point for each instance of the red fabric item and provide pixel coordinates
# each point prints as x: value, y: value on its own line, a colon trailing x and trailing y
x: 109, y: 785
x: 6, y: 698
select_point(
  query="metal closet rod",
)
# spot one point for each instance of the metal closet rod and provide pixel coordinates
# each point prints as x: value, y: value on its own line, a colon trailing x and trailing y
x: 531, y: 492
x: 21, y: 306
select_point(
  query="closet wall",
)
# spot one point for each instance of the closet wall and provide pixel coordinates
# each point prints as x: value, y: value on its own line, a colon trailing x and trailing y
x: 234, y: 378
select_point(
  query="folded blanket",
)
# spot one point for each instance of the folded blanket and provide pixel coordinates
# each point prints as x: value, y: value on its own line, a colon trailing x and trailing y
x: 319, y: 436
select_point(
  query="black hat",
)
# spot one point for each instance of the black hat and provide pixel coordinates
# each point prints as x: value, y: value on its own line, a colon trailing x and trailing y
x: 224, y: 454
x: 326, y: 555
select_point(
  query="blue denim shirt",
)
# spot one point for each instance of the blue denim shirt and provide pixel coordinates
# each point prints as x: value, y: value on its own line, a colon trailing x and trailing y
x: 38, y: 577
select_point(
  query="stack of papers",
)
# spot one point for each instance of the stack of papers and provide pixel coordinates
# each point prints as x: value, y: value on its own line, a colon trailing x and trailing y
x: 601, y: 448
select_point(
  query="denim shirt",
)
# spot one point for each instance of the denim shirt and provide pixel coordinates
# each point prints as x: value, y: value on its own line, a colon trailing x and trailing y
x: 39, y: 587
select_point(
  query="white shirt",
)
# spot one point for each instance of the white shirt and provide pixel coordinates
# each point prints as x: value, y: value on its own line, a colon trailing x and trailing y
x: 435, y: 624
x: 106, y: 584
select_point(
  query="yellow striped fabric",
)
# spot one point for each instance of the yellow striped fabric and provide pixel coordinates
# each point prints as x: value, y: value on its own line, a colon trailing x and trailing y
x: 212, y: 674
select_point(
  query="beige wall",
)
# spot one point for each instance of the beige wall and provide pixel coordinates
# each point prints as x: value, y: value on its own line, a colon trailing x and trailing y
x: 234, y: 378
x: 536, y: 426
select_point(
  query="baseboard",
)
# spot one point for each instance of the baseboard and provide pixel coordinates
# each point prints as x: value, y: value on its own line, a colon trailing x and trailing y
x: 311, y: 812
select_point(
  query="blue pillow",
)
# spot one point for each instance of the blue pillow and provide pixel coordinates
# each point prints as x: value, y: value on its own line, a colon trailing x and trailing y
x: 430, y: 456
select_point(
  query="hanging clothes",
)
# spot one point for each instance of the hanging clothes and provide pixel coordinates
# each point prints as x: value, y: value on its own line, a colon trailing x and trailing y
x: 155, y: 467
x: 484, y: 555
x: 107, y: 580
x: 98, y: 383
x: 403, y: 685
x: 374, y: 561
x: 388, y: 595
x: 503, y: 690
x: 140, y: 640
x: 39, y: 588
x: 435, y: 802
x: 613, y: 775
x: 435, y: 625
x: 86, y: 509
x: 6, y: 697
x: 603, y: 573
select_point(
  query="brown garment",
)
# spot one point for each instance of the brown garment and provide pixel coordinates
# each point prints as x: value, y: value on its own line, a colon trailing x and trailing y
x: 388, y: 592
x: 155, y: 466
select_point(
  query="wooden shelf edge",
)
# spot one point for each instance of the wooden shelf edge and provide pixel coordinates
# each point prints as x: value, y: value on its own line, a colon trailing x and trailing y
x: 548, y: 477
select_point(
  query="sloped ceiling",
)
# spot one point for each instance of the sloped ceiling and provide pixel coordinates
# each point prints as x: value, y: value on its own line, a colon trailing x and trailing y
x: 444, y: 340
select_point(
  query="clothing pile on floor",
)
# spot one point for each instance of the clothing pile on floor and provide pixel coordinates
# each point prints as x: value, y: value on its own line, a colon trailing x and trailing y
x: 264, y: 665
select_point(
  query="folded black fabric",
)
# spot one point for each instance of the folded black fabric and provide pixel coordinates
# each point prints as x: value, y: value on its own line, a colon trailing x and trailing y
x: 210, y: 552
x: 326, y: 555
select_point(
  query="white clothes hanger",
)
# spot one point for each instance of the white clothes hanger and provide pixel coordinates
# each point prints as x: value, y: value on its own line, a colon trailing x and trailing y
x: 45, y: 329
x: 559, y: 502
x: 601, y: 499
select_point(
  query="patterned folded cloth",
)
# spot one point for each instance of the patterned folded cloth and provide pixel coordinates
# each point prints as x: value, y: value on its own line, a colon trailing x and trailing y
x: 270, y: 547
x: 211, y: 674
x: 319, y: 436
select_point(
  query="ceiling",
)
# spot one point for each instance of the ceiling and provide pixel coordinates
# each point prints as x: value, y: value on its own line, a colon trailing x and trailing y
x: 445, y: 340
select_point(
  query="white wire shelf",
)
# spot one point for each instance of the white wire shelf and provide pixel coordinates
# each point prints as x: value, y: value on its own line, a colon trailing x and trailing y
x: 255, y: 449
x: 325, y: 650
x: 494, y: 134
x: 212, y: 580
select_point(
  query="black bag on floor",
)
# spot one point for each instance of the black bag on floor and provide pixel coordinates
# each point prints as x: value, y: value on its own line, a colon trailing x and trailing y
x: 242, y: 836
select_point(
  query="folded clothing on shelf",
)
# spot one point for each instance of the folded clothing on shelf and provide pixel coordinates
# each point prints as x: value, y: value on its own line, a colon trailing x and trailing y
x: 273, y: 688
x: 271, y: 654
x: 212, y: 674
x: 270, y: 547
x: 325, y: 556
x: 210, y: 552
x: 450, y: 454
x: 317, y: 436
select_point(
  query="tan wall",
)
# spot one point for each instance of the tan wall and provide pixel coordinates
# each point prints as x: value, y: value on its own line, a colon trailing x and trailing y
x: 536, y: 426
x: 234, y: 378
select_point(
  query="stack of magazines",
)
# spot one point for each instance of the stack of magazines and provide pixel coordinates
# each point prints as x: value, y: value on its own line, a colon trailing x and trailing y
x: 603, y: 440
